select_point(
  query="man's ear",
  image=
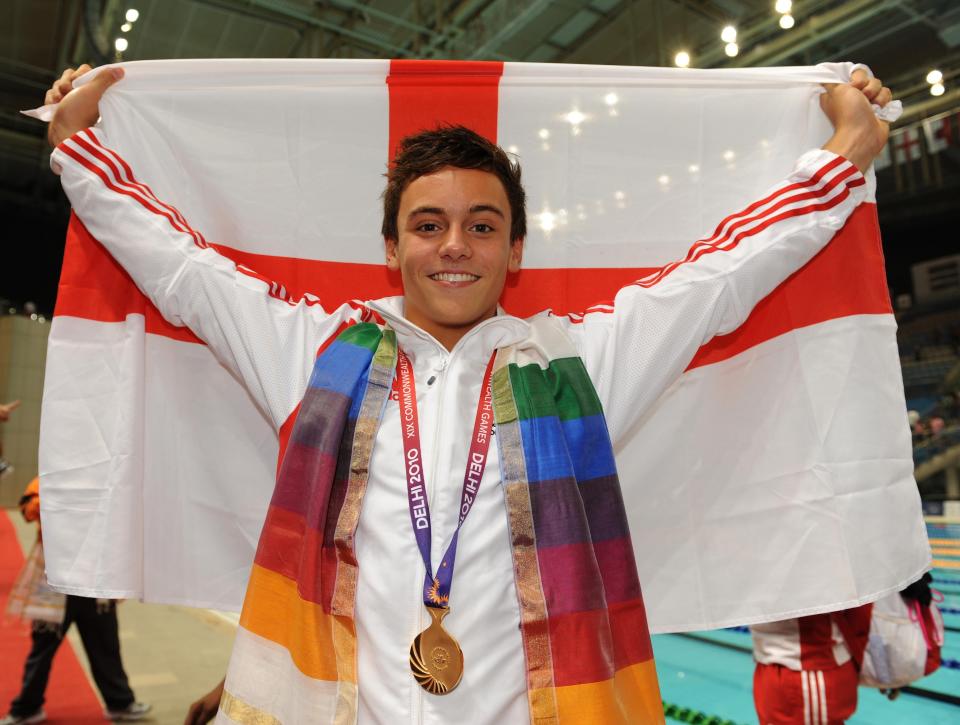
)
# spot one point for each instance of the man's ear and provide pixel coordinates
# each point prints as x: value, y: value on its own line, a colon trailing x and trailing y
x: 393, y: 261
x: 516, y: 256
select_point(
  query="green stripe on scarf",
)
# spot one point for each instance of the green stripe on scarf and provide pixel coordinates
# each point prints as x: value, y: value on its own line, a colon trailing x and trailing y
x: 562, y: 389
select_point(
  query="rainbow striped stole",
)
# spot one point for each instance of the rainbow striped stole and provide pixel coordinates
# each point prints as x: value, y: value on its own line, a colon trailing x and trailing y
x: 586, y: 642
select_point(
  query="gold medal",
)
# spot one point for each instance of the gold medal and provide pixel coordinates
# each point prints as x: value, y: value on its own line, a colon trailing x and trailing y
x: 435, y: 657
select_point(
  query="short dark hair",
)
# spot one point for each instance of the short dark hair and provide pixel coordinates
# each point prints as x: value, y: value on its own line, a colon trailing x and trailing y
x: 427, y: 152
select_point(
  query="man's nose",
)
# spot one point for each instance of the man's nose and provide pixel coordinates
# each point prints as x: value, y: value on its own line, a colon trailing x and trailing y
x: 455, y: 244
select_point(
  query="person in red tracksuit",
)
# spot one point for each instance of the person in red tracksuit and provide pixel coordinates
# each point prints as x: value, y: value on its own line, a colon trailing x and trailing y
x: 807, y: 668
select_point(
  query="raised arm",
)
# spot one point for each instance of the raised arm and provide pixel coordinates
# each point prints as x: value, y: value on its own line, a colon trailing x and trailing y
x: 265, y: 338
x: 636, y: 347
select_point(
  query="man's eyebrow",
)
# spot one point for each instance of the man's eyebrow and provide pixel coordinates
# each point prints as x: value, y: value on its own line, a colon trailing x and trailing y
x: 476, y: 208
x: 487, y: 207
x: 427, y: 210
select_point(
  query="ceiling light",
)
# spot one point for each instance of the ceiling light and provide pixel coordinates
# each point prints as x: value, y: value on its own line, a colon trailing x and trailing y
x: 731, y: 49
x: 682, y: 59
x: 783, y: 6
x: 126, y: 27
x: 937, y: 89
x: 120, y: 44
x: 728, y: 34
x: 611, y: 99
x: 786, y: 22
x: 663, y: 179
x: 729, y: 155
x: 132, y: 15
x: 575, y: 117
x: 693, y: 168
x: 934, y: 76
x: 547, y: 221
x: 513, y: 150
x: 544, y: 134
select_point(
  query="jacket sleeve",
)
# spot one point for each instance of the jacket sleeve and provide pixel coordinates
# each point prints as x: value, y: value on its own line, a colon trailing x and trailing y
x: 266, y: 338
x: 637, y: 346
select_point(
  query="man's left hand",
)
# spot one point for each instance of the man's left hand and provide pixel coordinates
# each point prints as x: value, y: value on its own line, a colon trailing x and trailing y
x: 858, y: 134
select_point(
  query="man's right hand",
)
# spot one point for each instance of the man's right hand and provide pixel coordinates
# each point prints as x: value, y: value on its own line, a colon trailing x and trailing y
x: 79, y: 108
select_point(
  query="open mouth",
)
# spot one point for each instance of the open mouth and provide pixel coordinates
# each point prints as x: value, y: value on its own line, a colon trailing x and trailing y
x: 454, y: 277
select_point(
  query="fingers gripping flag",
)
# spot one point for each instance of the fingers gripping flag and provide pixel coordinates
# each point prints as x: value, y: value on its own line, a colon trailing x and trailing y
x: 773, y: 478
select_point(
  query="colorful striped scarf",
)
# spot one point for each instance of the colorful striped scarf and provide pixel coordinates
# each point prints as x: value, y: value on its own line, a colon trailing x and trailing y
x: 586, y: 645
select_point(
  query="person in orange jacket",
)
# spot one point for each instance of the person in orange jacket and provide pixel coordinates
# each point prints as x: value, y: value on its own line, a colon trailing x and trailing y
x: 52, y: 614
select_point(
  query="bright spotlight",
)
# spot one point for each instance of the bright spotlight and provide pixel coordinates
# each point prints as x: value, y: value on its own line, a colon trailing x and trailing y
x: 731, y: 49
x: 663, y: 179
x: 120, y: 44
x: 575, y: 117
x: 547, y: 221
x: 729, y: 155
x: 611, y: 99
x: 544, y: 134
x: 937, y: 89
x: 682, y: 59
x: 786, y: 22
x: 728, y: 34
x: 934, y: 76
x: 132, y: 15
x: 126, y: 28
x: 783, y: 6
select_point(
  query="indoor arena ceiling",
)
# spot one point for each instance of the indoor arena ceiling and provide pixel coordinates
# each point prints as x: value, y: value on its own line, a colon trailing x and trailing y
x: 901, y: 39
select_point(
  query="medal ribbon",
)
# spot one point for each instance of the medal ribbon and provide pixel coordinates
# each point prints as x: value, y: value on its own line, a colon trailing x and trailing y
x: 436, y: 589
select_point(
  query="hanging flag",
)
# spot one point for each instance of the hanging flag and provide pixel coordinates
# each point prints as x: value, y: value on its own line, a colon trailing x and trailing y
x: 906, y: 144
x: 941, y: 131
x: 773, y: 478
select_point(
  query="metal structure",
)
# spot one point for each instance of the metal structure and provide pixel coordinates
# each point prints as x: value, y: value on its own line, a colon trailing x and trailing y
x: 900, y: 39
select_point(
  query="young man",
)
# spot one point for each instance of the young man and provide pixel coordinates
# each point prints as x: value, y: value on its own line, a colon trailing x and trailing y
x: 403, y: 397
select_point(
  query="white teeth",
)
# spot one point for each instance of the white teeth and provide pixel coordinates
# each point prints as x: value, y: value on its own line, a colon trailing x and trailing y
x: 453, y: 277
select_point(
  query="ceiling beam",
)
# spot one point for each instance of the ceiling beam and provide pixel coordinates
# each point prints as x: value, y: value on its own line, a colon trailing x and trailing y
x: 808, y: 33
x: 511, y: 28
x: 290, y: 13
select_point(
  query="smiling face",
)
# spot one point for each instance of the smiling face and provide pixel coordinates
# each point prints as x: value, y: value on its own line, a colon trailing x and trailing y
x: 453, y: 251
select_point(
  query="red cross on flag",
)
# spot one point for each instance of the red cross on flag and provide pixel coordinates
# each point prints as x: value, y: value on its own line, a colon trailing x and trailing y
x: 906, y: 144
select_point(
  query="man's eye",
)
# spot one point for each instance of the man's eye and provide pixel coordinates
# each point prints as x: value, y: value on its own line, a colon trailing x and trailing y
x: 482, y: 228
x: 428, y: 227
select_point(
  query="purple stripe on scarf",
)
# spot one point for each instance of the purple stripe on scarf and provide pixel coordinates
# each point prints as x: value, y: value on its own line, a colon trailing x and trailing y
x: 558, y: 511
x: 320, y: 420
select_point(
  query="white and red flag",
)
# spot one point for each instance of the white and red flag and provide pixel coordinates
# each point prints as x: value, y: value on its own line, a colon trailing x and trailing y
x: 774, y: 478
x: 941, y: 131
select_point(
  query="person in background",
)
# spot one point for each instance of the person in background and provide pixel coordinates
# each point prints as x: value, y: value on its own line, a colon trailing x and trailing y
x: 5, y: 410
x: 807, y: 670
x: 51, y: 614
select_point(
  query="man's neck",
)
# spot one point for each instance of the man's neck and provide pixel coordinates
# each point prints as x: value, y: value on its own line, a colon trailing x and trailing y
x: 446, y: 335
